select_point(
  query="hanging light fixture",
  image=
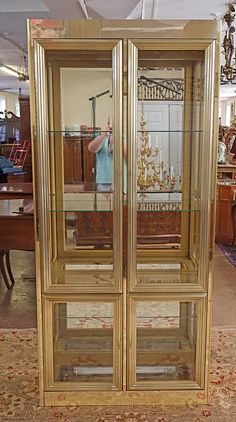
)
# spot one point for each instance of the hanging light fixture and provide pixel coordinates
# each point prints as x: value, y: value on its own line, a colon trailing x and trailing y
x: 9, y: 70
x: 228, y: 69
x: 23, y: 70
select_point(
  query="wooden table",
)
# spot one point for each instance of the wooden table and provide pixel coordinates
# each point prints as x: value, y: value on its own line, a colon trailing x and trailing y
x: 16, y: 233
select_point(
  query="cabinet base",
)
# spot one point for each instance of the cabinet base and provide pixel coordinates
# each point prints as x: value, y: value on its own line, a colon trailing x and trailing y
x: 105, y: 398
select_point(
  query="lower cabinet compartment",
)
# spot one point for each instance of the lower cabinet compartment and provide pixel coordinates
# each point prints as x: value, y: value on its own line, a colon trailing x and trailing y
x: 92, y: 348
x: 86, y: 356
x: 165, y: 345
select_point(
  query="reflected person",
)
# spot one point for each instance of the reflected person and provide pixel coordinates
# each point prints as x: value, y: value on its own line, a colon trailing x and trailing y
x: 102, y: 146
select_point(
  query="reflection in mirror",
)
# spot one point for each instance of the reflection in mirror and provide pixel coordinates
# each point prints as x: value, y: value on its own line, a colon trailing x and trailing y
x: 83, y: 342
x: 86, y: 107
x: 166, y: 340
x: 169, y: 155
x: 159, y: 157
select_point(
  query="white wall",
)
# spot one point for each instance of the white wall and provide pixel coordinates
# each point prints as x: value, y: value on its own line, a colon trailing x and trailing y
x: 10, y: 100
x: 227, y: 110
x: 77, y: 86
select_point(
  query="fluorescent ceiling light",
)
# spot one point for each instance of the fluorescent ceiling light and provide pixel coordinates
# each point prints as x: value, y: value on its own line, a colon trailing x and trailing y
x: 9, y: 70
x: 82, y: 4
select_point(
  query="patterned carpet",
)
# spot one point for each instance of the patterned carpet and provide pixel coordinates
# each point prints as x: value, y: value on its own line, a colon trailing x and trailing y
x: 229, y: 252
x: 19, y: 388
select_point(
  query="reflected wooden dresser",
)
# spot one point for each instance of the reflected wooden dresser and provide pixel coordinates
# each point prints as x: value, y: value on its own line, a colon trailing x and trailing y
x: 226, y: 214
x: 79, y: 164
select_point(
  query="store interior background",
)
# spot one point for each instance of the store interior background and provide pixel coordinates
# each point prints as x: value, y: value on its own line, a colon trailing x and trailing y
x: 18, y: 306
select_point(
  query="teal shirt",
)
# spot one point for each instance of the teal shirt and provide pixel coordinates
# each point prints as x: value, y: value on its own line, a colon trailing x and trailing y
x: 104, y: 164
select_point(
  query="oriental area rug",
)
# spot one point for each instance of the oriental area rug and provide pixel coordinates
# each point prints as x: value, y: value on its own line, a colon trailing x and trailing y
x: 19, y: 396
x: 229, y: 252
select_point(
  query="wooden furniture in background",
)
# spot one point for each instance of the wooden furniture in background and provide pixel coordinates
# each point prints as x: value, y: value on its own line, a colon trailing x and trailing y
x: 96, y: 228
x: 72, y: 160
x: 17, y: 178
x: 16, y: 191
x: 226, y: 171
x: 225, y: 217
x: 16, y: 233
x: 79, y: 163
x: 234, y: 222
x: 10, y: 127
x: 16, y: 230
x: 25, y: 130
x: 88, y: 165
x: 5, y: 149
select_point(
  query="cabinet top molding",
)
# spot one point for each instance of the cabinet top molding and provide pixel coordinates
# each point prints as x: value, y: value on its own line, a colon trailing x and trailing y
x: 171, y: 29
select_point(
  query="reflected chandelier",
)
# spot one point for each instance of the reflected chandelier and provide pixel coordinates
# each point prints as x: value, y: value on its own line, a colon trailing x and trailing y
x: 23, y: 70
x: 228, y: 69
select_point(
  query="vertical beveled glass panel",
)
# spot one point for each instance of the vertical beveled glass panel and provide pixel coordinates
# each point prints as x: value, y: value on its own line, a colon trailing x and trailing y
x: 164, y: 339
x: 85, y: 343
x: 168, y: 98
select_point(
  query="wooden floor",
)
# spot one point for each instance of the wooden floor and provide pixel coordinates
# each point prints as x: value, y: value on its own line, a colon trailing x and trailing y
x: 18, y: 306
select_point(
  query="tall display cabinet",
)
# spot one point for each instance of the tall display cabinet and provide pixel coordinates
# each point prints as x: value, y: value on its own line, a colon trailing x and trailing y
x: 124, y: 277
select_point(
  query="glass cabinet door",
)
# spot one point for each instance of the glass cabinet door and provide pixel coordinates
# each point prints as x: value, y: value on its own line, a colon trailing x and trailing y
x: 81, y: 186
x: 84, y: 348
x: 165, y: 342
x: 170, y: 182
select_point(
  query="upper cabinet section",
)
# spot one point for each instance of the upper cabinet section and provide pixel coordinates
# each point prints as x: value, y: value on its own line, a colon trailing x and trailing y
x: 125, y: 131
x: 49, y: 30
x: 80, y: 156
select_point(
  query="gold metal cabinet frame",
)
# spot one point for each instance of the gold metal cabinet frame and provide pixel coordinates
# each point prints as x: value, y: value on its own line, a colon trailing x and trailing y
x: 126, y: 40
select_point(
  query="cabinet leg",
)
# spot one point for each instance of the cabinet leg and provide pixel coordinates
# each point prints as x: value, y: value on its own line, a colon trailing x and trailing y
x: 3, y: 270
x: 9, y: 267
x: 234, y: 222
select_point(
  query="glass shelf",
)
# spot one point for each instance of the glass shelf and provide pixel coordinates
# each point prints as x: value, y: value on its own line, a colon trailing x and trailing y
x: 88, y: 317
x: 80, y: 278
x: 98, y: 275
x: 170, y: 131
x: 92, y: 133
x: 153, y: 317
x: 106, y: 205
x: 73, y: 343
x: 103, y: 202
x: 164, y: 273
x: 85, y: 132
x: 145, y: 278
